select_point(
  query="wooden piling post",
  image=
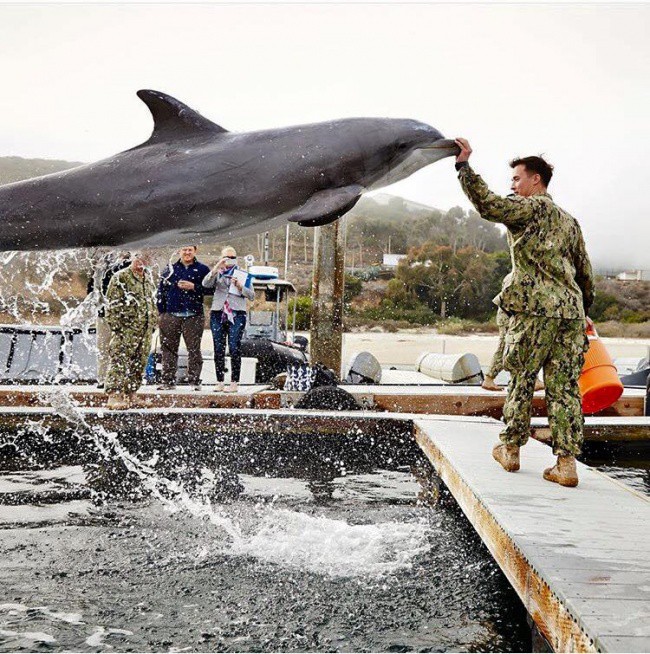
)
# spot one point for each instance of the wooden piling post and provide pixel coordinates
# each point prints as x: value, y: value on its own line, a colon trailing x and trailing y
x: 327, y: 296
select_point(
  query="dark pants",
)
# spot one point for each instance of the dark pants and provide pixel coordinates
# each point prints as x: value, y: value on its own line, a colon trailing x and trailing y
x: 171, y: 329
x: 221, y: 328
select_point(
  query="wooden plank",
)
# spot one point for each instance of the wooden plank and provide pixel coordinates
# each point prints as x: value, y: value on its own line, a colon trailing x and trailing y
x: 147, y: 396
x: 602, y: 429
x: 473, y: 401
x: 431, y: 399
x: 554, y: 544
x: 444, y: 400
x: 628, y: 644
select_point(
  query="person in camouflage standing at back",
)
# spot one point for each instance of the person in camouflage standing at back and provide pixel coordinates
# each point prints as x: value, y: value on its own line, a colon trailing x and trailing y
x: 132, y: 316
x: 546, y: 299
x: 496, y: 365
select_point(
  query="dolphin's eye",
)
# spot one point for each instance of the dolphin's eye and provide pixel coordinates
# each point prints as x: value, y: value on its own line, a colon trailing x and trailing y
x: 402, y: 147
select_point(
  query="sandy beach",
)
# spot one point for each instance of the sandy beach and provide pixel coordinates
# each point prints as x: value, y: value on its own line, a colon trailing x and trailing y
x: 402, y: 348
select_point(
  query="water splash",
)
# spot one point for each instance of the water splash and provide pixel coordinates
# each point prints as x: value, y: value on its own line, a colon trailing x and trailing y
x: 43, y: 286
x: 170, y: 493
x: 278, y: 536
x: 333, y: 547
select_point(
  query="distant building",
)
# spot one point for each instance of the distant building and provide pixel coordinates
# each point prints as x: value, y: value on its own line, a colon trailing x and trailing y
x: 392, y: 260
x: 630, y: 276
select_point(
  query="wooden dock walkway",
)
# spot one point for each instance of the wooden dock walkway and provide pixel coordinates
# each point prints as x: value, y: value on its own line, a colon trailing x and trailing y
x: 577, y: 557
x: 610, y: 429
x: 147, y: 396
x: 445, y: 400
x: 407, y: 398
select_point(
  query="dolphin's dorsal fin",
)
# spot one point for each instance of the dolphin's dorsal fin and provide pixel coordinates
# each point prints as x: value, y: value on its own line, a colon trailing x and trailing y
x: 174, y: 120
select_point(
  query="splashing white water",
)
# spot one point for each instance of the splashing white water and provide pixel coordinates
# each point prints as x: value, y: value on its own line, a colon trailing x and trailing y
x: 279, y: 536
x: 96, y: 639
x: 170, y: 493
x: 333, y: 547
x: 34, y: 284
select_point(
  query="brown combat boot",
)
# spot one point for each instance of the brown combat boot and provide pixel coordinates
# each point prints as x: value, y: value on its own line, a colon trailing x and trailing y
x: 118, y: 402
x: 490, y: 385
x: 507, y: 456
x: 563, y: 472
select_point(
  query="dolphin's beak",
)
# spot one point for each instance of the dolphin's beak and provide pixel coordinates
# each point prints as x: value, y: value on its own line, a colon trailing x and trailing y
x: 441, y: 149
x: 445, y: 147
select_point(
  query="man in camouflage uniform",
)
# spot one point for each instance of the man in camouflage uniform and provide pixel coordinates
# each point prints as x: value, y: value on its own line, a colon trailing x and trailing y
x: 131, y: 315
x: 547, y: 298
x: 496, y: 365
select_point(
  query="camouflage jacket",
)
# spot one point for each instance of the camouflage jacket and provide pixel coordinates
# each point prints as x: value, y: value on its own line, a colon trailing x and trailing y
x: 551, y: 272
x: 131, y: 305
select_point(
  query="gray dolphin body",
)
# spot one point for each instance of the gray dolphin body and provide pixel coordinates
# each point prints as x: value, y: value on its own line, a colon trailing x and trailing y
x: 193, y: 181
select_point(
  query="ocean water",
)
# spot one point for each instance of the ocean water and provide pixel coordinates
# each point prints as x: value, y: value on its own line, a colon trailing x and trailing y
x: 627, y: 462
x: 367, y: 560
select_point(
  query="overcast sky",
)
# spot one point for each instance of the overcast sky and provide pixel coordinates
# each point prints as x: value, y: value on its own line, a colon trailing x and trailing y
x: 569, y: 81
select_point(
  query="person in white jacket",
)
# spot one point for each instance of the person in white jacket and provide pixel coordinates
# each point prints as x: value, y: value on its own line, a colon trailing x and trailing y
x: 228, y: 315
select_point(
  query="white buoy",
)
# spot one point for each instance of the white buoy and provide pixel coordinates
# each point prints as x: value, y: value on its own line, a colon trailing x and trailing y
x: 451, y: 368
x: 363, y: 368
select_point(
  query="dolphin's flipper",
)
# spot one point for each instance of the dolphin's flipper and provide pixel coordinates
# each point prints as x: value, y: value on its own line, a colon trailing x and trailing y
x: 174, y: 120
x: 325, y: 207
x: 318, y: 222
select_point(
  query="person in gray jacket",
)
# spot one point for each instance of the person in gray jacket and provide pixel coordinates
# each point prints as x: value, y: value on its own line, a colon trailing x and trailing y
x: 228, y: 315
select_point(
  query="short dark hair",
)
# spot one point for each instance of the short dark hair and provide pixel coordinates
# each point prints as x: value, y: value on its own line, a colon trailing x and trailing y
x: 535, y: 165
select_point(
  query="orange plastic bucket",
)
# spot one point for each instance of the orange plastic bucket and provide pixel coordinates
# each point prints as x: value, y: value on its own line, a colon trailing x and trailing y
x: 599, y: 384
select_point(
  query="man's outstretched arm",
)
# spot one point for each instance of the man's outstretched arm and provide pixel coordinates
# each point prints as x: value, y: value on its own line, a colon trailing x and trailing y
x: 511, y: 211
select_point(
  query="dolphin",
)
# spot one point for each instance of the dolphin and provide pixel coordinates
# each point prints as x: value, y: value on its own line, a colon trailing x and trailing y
x: 193, y: 181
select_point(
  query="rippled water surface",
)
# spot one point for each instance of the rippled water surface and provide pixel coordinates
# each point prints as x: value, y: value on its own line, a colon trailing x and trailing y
x: 350, y: 563
x: 628, y: 463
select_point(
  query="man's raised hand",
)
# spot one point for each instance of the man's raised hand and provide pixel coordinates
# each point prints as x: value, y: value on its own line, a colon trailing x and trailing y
x: 465, y: 150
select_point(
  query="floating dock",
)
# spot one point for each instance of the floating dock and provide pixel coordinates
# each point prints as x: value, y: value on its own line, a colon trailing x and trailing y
x: 577, y: 557
x: 605, y: 429
x: 422, y: 399
x: 445, y: 400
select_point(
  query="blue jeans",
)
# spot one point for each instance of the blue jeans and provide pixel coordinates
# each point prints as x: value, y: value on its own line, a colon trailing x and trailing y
x: 221, y: 329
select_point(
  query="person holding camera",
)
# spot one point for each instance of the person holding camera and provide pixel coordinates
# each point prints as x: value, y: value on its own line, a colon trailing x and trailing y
x: 228, y: 314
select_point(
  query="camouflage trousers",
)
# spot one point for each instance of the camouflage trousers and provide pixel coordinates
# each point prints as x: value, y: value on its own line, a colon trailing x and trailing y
x: 128, y: 353
x: 558, y: 346
x: 496, y: 365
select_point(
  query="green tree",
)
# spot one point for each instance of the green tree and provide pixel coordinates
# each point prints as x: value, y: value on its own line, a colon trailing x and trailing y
x: 458, y: 283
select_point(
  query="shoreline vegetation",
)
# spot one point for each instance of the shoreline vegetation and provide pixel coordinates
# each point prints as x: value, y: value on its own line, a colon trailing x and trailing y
x: 354, y: 325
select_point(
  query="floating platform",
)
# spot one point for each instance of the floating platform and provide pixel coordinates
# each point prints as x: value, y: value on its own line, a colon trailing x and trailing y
x: 407, y: 398
x: 605, y: 429
x: 445, y: 400
x: 577, y: 557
